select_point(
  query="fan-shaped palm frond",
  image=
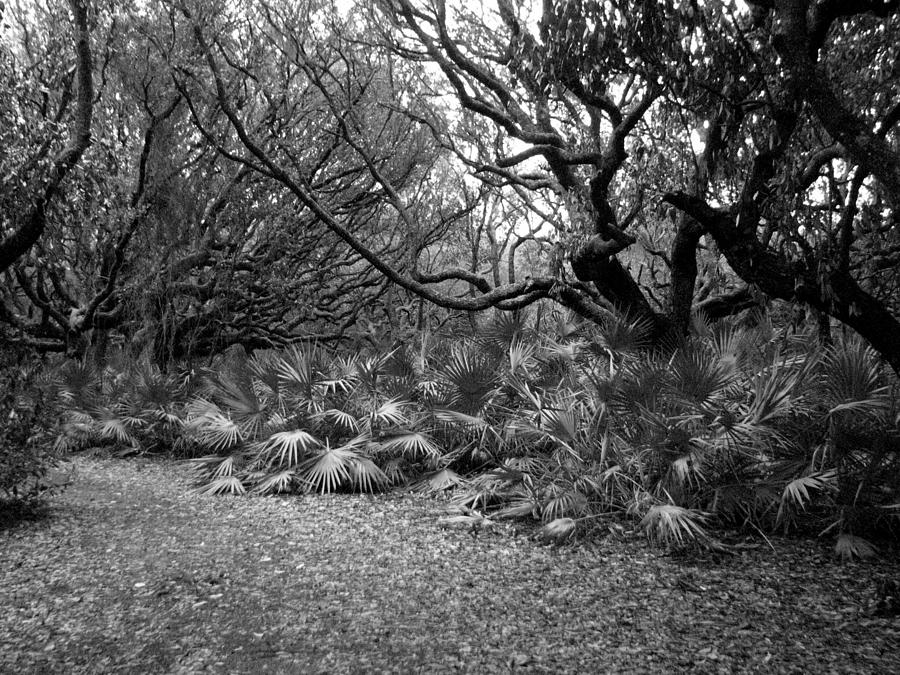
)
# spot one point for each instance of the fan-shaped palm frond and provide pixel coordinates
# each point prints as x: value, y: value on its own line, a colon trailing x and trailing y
x: 670, y: 524
x: 699, y: 375
x: 459, y: 418
x: 562, y: 424
x: 521, y: 358
x: 370, y: 369
x: 366, y: 476
x: 330, y: 468
x: 849, y: 547
x: 210, y: 426
x: 566, y: 503
x: 853, y: 380
x: 470, y: 378
x: 640, y: 385
x: 796, y: 494
x: 342, y: 420
x: 624, y: 333
x: 731, y: 344
x: 441, y: 480
x: 238, y: 398
x: 412, y: 444
x: 231, y: 485
x: 152, y: 389
x: 393, y: 470
x: 111, y: 426
x: 389, y: 414
x: 505, y: 329
x: 298, y: 368
x: 777, y: 389
x: 287, y: 448
x: 264, y: 366
x: 276, y: 483
x: 77, y: 383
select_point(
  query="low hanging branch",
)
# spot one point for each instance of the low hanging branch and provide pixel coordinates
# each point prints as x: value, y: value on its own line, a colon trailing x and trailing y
x: 33, y: 222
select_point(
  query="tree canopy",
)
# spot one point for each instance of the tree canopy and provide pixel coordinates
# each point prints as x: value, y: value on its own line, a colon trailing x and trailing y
x: 189, y: 174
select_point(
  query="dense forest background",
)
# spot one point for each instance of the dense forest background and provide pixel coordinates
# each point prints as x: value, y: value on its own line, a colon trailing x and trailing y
x: 569, y: 258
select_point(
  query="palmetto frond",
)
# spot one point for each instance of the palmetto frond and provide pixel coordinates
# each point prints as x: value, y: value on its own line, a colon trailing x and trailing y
x: 240, y: 400
x: 211, y: 427
x: 441, y: 480
x: 370, y: 369
x: 153, y: 389
x: 470, y: 378
x: 699, y: 375
x: 389, y: 414
x: 78, y: 383
x: 459, y: 418
x: 299, y: 371
x: 264, y: 366
x: 777, y: 389
x: 566, y: 503
x: 231, y: 485
x: 110, y: 425
x: 331, y: 467
x: 623, y: 333
x: 344, y: 421
x: 521, y: 359
x: 641, y: 385
x: 852, y: 380
x: 393, y: 471
x: 730, y: 343
x: 276, y: 483
x: 669, y: 525
x: 849, y: 547
x: 562, y: 424
x: 412, y: 444
x: 796, y: 494
x: 366, y: 476
x: 287, y: 448
x: 506, y: 329
x: 343, y: 370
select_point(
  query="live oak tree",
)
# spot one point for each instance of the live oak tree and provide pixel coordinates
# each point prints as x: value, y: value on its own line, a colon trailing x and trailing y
x: 46, y: 111
x: 156, y: 237
x: 793, y: 174
x: 348, y: 131
x: 267, y: 169
x: 812, y: 112
x: 571, y: 114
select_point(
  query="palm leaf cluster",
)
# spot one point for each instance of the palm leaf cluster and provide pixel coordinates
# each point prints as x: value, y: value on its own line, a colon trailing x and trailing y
x: 733, y: 424
x: 307, y: 420
x: 133, y: 407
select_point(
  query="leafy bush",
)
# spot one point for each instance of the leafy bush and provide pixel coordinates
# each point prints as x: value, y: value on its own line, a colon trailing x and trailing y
x: 25, y: 438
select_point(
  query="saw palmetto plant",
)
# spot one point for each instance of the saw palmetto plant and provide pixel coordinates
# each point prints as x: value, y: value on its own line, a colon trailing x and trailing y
x: 733, y: 425
x: 302, y: 420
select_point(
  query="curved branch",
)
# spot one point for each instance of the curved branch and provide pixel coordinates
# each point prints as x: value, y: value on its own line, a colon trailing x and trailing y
x: 24, y: 237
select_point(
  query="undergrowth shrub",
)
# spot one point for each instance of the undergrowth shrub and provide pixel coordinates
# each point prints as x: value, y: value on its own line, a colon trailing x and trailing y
x: 303, y: 419
x: 736, y: 425
x: 125, y: 406
x: 25, y: 438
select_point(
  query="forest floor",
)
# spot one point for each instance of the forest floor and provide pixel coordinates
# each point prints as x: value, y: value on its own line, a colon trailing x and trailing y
x: 129, y: 571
